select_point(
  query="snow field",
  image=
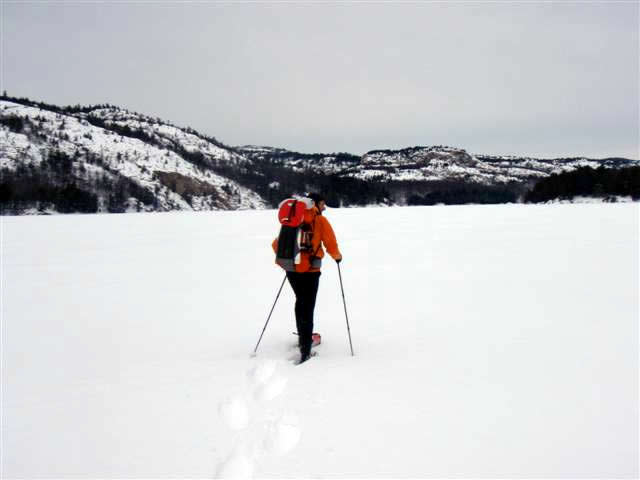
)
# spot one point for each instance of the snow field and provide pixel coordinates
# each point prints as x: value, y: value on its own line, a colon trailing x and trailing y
x: 497, y: 341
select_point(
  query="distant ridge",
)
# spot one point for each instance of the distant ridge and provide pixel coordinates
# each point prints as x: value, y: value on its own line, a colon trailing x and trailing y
x: 103, y: 158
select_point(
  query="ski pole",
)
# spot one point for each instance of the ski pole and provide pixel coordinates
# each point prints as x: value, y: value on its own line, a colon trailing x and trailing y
x: 345, y: 309
x: 269, y: 317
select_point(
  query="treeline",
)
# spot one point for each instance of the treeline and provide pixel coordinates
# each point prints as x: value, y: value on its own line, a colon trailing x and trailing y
x: 348, y: 191
x: 124, y: 130
x: 450, y: 193
x: 588, y: 182
x: 46, y: 186
x: 18, y: 194
x: 96, y: 121
x: 53, y: 108
x: 64, y: 184
x: 13, y: 123
x: 275, y: 182
x: 281, y: 156
x: 272, y: 176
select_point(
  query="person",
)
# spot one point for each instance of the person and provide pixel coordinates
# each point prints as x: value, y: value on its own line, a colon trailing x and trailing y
x: 306, y: 278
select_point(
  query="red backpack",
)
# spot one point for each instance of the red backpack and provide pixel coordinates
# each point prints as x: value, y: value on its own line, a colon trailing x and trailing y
x: 295, y: 235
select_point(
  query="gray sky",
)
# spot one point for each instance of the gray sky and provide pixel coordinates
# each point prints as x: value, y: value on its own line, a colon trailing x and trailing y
x: 523, y: 78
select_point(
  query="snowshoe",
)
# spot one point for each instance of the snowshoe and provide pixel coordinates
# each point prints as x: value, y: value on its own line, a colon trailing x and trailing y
x: 316, y: 339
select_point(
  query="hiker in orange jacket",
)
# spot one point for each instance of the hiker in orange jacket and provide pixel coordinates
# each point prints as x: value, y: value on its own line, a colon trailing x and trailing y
x: 306, y: 278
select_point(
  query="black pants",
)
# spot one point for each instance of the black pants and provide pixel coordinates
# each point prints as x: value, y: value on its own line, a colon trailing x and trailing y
x: 305, y: 286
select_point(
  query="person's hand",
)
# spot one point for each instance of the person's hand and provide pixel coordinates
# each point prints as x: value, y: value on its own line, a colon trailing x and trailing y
x: 338, y: 260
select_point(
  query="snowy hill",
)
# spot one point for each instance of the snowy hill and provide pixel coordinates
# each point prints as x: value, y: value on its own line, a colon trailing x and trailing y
x: 100, y: 156
x: 453, y: 164
x: 104, y: 158
x: 490, y: 342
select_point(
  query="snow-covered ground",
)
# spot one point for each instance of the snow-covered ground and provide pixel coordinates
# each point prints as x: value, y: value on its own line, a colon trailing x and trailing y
x: 497, y: 341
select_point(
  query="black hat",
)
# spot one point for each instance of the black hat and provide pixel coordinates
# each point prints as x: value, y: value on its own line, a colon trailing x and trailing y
x: 317, y: 198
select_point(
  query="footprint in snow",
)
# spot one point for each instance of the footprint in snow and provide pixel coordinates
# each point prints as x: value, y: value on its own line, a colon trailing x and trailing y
x: 235, y: 412
x: 271, y: 389
x: 282, y: 435
x: 266, y: 382
x: 262, y: 372
x: 237, y: 465
x: 259, y: 429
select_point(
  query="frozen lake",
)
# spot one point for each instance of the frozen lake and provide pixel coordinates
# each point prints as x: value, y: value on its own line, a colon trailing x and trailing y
x: 490, y: 341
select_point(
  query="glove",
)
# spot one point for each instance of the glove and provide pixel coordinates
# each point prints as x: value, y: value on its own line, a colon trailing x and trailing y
x: 338, y: 260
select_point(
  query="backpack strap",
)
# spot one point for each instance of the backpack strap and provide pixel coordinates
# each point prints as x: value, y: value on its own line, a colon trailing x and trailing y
x: 292, y: 210
x: 313, y: 228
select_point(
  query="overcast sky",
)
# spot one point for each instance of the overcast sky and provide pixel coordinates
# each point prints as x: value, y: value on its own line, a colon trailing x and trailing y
x: 523, y: 78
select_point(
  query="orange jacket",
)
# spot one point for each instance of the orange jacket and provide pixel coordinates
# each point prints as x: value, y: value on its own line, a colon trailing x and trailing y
x: 323, y: 235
